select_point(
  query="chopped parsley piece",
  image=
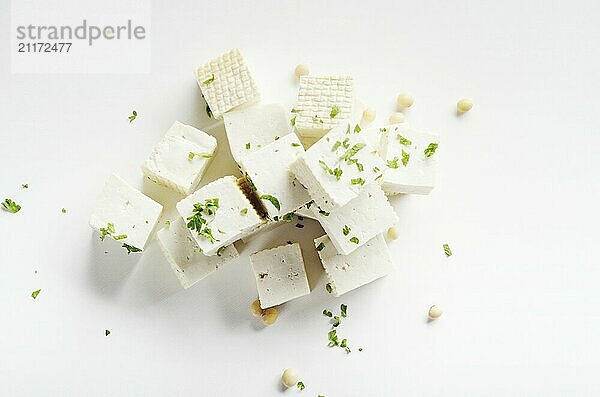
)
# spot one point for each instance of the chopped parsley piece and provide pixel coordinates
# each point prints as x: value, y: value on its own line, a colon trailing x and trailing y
x: 336, y: 321
x: 248, y: 146
x: 272, y: 199
x: 336, y: 145
x: 209, y: 80
x: 327, y: 313
x: 167, y: 223
x: 357, y: 181
x: 329, y: 288
x: 403, y: 140
x: 405, y: 157
x: 447, y: 250
x: 343, y: 309
x: 132, y: 117
x: 293, y: 121
x: 333, y: 338
x: 109, y: 230
x: 34, y: 294
x: 344, y: 343
x: 276, y: 137
x: 197, y: 222
x: 348, y: 129
x: 11, y: 206
x: 316, y: 119
x: 375, y: 169
x: 358, y: 165
x: 130, y: 248
x: 106, y: 332
x: 337, y: 172
x: 299, y: 225
x: 352, y: 151
x: 220, y: 251
x: 320, y: 246
x: 393, y: 163
x: 357, y: 128
x: 346, y: 230
x: 244, y: 211
x: 63, y: 210
x: 360, y: 349
x: 119, y: 236
x: 294, y: 144
x: 295, y: 111
x: 300, y: 385
x: 191, y: 155
x: 324, y: 213
x: 288, y: 217
x: 354, y: 240
x: 275, y: 218
x: 335, y: 110
x: 383, y: 129
x: 25, y: 186
x: 430, y: 150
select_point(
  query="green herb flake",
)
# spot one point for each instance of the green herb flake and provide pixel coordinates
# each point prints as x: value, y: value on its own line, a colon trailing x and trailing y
x: 293, y: 121
x: 11, y: 206
x: 197, y: 222
x: 288, y: 217
x: 106, y: 332
x: 327, y: 313
x: 447, y: 250
x: 167, y: 223
x: 329, y: 288
x: 352, y: 151
x: 209, y: 80
x: 335, y: 110
x: 244, y: 211
x: 430, y: 150
x: 403, y: 140
x: 276, y: 137
x: 248, y: 146
x: 272, y: 199
x: 295, y: 144
x: 357, y: 181
x: 25, y: 186
x: 357, y: 128
x: 191, y: 155
x: 63, y: 210
x: 34, y: 294
x: 336, y: 145
x: 300, y: 385
x: 132, y: 117
x: 220, y: 251
x: 405, y: 157
x: 320, y: 246
x: 295, y: 111
x: 376, y: 169
x: 360, y: 349
x: 346, y: 230
x: 324, y: 213
x: 344, y: 309
x: 130, y: 248
x: 344, y: 343
x: 336, y: 321
x: 333, y: 338
x: 354, y: 240
x: 393, y: 163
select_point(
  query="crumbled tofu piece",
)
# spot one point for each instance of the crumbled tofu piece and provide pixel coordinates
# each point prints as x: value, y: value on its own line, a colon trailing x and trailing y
x: 408, y: 169
x: 269, y: 170
x: 248, y: 129
x: 280, y: 274
x: 226, y: 83
x: 233, y: 218
x: 347, y: 272
x: 183, y: 254
x: 337, y: 167
x: 351, y: 226
x: 132, y: 214
x: 180, y: 159
x: 323, y: 103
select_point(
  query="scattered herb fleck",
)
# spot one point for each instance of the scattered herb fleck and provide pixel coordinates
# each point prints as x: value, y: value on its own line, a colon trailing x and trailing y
x: 335, y: 110
x: 357, y: 181
x: 248, y: 145
x: 327, y: 313
x: 320, y: 246
x: 357, y: 128
x: 346, y: 230
x: 405, y: 157
x: 106, y: 332
x: 276, y: 137
x: 430, y: 150
x: 132, y: 117
x: 244, y: 211
x: 329, y: 288
x: 333, y: 338
x: 209, y: 80
x: 34, y: 294
x: 131, y: 248
x: 11, y: 206
x: 403, y: 140
x: 336, y: 321
x: 354, y: 240
x: 344, y: 309
x: 63, y: 210
x: 300, y: 385
x: 294, y: 144
x: 272, y: 199
x: 191, y: 155
x: 393, y: 163
x: 447, y: 250
x: 293, y: 121
x: 25, y: 186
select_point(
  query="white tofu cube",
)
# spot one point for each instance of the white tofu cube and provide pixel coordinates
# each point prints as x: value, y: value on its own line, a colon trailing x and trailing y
x: 338, y: 167
x: 323, y: 103
x: 220, y: 214
x: 269, y: 170
x: 226, y: 83
x: 248, y: 129
x: 347, y: 272
x: 180, y: 159
x: 351, y: 226
x: 409, y: 169
x: 280, y: 274
x: 125, y: 214
x: 184, y: 256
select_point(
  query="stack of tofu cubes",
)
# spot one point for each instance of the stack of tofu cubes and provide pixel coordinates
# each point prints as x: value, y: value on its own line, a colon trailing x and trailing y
x: 342, y: 181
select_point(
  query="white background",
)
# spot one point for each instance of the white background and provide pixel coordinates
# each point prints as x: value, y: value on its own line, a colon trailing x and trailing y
x: 517, y: 200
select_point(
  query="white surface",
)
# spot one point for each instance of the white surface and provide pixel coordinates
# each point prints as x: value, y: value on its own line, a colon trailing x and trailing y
x: 516, y: 199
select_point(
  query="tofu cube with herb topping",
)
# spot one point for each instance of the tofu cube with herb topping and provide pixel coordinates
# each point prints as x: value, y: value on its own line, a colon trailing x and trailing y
x: 269, y: 169
x: 338, y: 167
x: 125, y: 214
x: 250, y: 128
x: 280, y: 274
x: 323, y: 103
x: 218, y: 214
x: 364, y: 217
x: 180, y: 159
x: 183, y: 254
x: 226, y: 83
x: 364, y: 265
x: 411, y: 160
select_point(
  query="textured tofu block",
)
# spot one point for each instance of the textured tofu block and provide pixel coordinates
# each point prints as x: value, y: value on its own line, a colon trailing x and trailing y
x: 408, y: 169
x: 132, y: 214
x: 357, y: 222
x: 248, y: 129
x: 180, y: 159
x: 226, y: 83
x: 232, y: 219
x: 347, y: 272
x: 338, y: 167
x: 183, y: 254
x: 269, y: 170
x: 317, y: 98
x: 280, y: 274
